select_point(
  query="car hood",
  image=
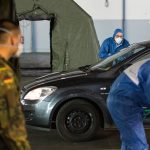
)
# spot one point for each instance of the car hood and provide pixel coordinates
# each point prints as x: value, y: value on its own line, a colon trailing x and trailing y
x: 53, y: 77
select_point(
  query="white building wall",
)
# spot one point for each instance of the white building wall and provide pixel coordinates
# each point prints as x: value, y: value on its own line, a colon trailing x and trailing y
x: 138, y: 20
x: 106, y: 19
x: 98, y: 10
x: 138, y: 9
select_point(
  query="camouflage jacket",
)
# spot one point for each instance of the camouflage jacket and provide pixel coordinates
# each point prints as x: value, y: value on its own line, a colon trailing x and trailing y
x: 13, y: 134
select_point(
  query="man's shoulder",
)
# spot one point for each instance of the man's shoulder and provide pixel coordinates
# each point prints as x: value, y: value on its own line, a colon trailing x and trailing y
x: 2, y: 72
x: 108, y: 40
x: 143, y: 73
x: 146, y: 66
x: 2, y: 64
x: 6, y: 72
x: 4, y: 67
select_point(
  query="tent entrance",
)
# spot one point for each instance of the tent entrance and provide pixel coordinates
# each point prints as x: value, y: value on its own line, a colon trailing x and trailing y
x: 36, y: 30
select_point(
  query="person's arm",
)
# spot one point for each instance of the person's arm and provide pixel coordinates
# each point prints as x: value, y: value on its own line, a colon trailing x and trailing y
x: 104, y: 50
x: 12, y: 124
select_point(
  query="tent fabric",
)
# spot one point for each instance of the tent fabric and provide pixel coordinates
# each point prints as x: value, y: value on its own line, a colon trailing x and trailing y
x: 7, y: 10
x: 74, y: 40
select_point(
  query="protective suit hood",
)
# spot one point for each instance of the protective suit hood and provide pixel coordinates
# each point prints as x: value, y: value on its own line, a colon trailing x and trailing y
x: 116, y: 31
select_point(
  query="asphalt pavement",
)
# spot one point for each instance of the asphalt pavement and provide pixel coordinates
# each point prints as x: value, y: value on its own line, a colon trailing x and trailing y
x: 50, y: 140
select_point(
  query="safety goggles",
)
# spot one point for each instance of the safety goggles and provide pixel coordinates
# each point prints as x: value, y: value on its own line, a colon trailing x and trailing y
x: 117, y: 36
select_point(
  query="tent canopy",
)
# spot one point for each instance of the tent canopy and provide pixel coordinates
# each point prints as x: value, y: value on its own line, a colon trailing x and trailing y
x: 74, y: 41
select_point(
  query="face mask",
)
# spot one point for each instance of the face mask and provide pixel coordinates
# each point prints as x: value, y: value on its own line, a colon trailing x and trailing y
x: 5, y: 30
x: 20, y: 50
x: 118, y: 40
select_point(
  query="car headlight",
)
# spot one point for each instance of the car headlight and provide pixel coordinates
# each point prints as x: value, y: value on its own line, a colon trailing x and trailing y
x: 40, y: 93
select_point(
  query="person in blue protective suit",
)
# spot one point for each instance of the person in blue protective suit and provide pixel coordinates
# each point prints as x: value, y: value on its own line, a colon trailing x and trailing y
x: 128, y: 95
x: 113, y: 44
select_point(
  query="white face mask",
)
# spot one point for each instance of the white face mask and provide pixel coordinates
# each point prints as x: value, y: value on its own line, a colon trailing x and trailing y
x: 20, y: 50
x: 118, y: 40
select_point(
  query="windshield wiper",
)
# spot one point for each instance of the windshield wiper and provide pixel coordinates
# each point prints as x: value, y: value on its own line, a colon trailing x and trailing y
x: 84, y: 68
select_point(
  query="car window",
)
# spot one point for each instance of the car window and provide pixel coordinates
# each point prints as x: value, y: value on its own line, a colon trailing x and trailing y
x: 118, y: 57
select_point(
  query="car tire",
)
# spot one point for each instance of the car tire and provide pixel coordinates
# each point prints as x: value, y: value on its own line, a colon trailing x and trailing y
x: 77, y: 121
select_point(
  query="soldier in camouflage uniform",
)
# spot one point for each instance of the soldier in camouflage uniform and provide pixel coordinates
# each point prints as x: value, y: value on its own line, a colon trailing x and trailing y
x: 13, y: 134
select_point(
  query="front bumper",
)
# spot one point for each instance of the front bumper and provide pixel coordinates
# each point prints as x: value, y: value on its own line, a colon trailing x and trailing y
x: 37, y: 113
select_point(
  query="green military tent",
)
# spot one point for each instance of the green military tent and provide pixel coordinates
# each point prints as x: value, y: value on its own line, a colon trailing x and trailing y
x: 74, y: 41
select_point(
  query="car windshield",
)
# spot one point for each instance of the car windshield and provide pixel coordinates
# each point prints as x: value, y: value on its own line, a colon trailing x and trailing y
x: 118, y: 57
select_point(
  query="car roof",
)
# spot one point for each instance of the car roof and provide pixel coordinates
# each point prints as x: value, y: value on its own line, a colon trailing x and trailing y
x: 144, y: 43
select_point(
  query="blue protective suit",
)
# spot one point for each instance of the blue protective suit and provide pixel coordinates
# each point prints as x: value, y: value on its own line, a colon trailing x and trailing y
x: 110, y: 47
x: 128, y: 94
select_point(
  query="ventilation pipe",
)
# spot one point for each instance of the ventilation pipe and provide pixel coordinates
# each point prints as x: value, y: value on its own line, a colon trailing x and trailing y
x: 123, y: 15
x: 106, y: 3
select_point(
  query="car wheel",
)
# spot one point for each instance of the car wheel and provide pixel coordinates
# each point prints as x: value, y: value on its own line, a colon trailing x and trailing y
x: 77, y: 121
